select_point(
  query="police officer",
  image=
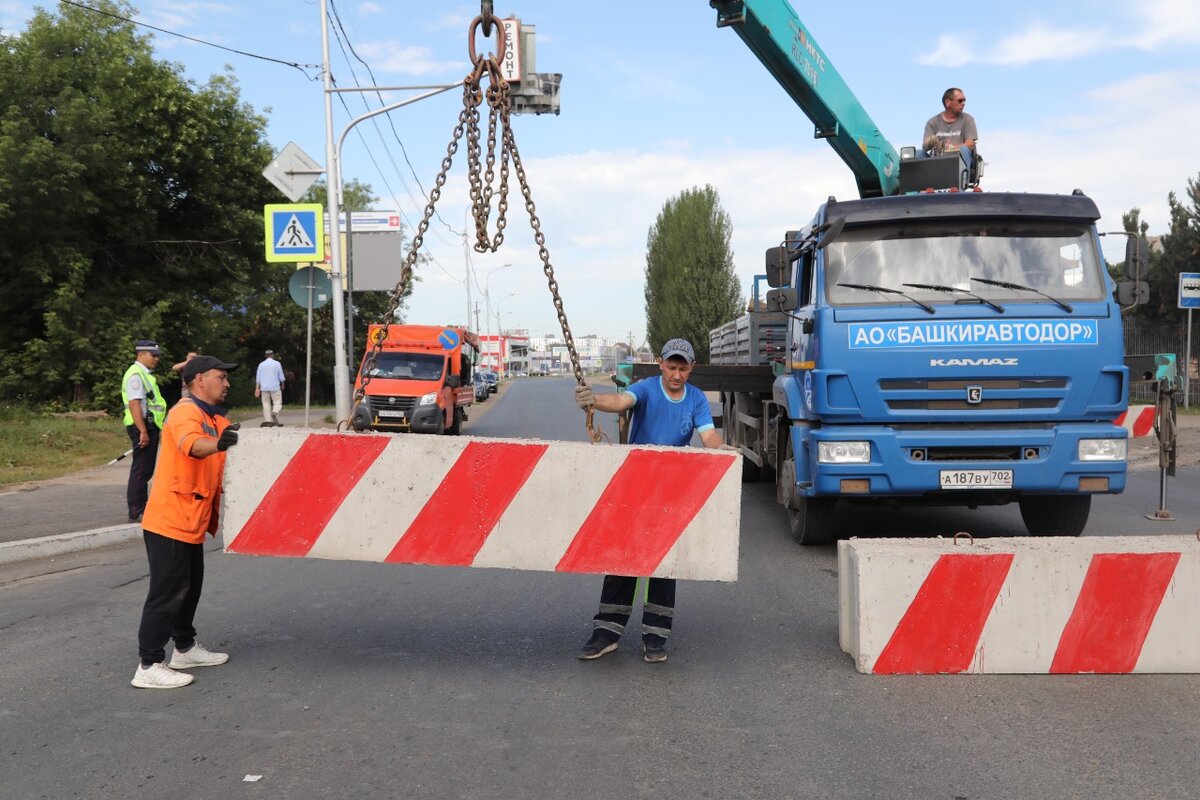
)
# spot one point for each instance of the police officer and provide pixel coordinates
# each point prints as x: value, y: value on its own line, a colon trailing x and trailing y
x: 145, y: 410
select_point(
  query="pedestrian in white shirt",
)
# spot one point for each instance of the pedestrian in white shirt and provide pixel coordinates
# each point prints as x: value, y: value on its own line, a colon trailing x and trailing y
x: 268, y: 385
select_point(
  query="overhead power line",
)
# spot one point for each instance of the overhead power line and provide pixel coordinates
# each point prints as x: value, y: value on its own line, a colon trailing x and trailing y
x: 102, y: 12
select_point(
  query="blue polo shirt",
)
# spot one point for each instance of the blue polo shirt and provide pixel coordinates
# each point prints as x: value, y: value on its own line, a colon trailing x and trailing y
x: 659, y: 419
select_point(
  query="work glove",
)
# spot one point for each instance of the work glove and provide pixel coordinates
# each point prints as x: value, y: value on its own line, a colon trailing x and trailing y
x: 584, y: 397
x: 228, y: 437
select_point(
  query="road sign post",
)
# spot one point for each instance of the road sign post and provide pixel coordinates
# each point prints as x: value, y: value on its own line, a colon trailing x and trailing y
x: 1189, y: 298
x: 311, y: 288
x: 293, y: 171
x: 294, y: 232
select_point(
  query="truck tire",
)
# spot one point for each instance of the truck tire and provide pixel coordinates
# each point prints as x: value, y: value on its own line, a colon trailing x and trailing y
x: 810, y: 519
x: 456, y: 428
x: 1055, y: 515
x: 812, y: 522
x: 361, y: 420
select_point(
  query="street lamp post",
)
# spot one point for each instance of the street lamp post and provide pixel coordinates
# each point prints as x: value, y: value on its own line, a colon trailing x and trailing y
x: 499, y: 334
x: 341, y: 368
x: 487, y: 299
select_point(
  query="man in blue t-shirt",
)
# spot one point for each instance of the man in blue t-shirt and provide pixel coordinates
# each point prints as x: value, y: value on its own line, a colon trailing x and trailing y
x: 667, y: 410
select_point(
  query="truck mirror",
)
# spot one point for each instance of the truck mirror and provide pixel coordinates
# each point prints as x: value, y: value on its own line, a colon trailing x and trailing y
x: 1133, y: 293
x: 832, y: 231
x: 779, y: 267
x: 454, y: 381
x: 1137, y: 257
x: 783, y: 299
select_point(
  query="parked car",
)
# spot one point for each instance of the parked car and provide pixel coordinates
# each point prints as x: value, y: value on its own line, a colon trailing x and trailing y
x: 492, y: 380
x: 481, y: 387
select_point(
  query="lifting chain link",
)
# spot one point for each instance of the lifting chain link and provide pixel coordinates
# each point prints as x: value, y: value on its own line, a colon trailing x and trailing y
x: 480, y: 177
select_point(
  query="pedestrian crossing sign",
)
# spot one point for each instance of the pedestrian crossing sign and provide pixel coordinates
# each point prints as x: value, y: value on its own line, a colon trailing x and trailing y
x: 294, y: 232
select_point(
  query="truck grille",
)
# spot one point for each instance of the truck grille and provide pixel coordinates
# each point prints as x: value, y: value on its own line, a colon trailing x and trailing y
x: 919, y: 394
x: 381, y: 402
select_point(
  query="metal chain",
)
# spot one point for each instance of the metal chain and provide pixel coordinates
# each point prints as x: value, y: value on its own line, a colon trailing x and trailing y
x: 480, y: 181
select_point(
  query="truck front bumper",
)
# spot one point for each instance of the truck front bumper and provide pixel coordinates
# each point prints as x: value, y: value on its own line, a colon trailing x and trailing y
x: 913, y: 461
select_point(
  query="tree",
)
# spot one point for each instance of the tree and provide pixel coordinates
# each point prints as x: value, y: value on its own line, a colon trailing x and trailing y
x: 691, y: 287
x: 131, y: 203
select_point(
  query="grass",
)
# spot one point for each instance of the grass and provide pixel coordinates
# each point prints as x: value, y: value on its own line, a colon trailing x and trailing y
x: 36, y: 446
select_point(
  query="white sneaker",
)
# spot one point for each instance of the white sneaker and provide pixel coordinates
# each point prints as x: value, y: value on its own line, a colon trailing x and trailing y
x: 158, y: 676
x: 197, y: 656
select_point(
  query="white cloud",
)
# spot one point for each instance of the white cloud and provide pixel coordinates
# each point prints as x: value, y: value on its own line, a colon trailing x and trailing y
x: 366, y: 9
x: 1036, y: 43
x: 1106, y: 153
x: 392, y: 56
x: 1155, y: 23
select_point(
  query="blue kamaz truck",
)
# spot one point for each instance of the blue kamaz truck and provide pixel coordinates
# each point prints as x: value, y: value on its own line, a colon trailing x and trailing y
x: 939, y: 348
x: 926, y: 343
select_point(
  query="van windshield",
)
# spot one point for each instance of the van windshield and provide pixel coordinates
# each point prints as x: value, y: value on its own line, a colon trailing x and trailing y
x: 409, y: 366
x: 1059, y: 259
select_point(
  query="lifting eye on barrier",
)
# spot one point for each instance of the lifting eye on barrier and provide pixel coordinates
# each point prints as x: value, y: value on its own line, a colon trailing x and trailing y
x: 1031, y: 453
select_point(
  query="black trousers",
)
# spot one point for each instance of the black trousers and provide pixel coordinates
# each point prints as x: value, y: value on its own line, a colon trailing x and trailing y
x: 176, y: 578
x: 616, y: 604
x: 141, y: 469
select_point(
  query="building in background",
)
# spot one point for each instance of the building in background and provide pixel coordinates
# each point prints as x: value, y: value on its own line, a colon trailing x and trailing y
x: 505, y: 353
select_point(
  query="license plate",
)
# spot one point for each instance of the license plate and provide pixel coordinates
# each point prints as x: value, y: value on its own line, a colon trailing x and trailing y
x: 976, y: 478
x: 391, y: 414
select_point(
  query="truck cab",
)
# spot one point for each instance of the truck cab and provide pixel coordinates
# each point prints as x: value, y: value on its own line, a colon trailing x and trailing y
x: 941, y: 348
x: 420, y: 379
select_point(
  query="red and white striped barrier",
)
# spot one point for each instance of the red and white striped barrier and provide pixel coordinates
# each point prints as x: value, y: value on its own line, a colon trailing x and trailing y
x: 1015, y: 605
x: 458, y: 501
x: 1138, y: 420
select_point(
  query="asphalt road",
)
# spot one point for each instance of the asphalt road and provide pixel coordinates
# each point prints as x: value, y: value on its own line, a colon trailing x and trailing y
x: 378, y: 681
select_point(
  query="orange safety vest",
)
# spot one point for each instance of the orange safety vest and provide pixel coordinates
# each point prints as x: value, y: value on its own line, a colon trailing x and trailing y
x: 186, y: 491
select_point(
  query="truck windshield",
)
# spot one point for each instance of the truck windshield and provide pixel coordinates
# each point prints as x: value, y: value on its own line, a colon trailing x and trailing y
x: 1058, y: 259
x: 409, y: 366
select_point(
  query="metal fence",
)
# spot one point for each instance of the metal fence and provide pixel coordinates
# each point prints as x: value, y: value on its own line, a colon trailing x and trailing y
x: 1143, y: 339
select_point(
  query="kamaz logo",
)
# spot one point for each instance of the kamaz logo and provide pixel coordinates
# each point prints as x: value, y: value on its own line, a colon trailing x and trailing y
x: 972, y: 362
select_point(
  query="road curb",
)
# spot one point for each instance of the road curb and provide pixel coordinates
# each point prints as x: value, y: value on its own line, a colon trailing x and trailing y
x: 47, y: 546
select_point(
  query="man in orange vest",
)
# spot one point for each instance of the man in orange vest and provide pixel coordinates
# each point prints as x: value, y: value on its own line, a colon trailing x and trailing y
x: 183, y: 505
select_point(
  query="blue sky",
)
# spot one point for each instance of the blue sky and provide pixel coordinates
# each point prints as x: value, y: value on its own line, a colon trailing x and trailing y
x: 1100, y: 95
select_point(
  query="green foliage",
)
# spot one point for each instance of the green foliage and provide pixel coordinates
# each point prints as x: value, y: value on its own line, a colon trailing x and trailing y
x: 1180, y: 252
x: 691, y: 287
x: 131, y: 200
x: 130, y: 197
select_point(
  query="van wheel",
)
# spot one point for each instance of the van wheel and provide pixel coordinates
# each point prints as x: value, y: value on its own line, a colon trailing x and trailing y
x: 1055, y: 515
x: 456, y: 428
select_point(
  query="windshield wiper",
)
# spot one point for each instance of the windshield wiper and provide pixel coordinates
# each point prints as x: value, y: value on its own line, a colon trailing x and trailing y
x: 885, y: 290
x: 1018, y: 287
x: 935, y: 287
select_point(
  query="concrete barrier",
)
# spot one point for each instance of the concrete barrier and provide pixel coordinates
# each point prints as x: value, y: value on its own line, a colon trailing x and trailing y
x: 461, y: 501
x: 1021, y: 605
x: 1138, y: 421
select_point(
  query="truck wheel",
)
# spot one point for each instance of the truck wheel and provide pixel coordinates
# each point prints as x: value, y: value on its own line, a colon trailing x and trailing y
x: 1056, y: 515
x: 812, y: 522
x: 456, y: 428
x: 361, y: 419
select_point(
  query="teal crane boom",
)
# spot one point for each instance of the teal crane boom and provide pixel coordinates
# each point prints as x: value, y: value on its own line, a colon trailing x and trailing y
x: 773, y: 31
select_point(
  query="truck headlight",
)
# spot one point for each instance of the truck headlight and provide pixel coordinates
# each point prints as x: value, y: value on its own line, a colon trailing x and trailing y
x: 844, y: 452
x: 1102, y: 449
x: 428, y: 399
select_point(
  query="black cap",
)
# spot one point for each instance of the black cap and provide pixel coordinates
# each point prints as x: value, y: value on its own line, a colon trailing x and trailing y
x: 203, y: 364
x: 146, y: 346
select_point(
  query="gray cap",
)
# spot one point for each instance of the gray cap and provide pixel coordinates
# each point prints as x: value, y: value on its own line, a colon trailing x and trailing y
x: 269, y: 353
x: 679, y: 347
x: 146, y: 346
